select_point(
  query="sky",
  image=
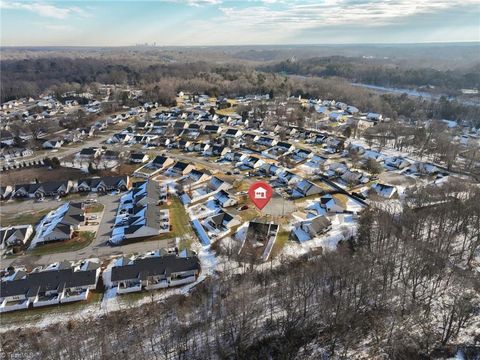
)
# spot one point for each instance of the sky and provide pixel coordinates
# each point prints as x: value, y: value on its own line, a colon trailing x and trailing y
x: 229, y: 22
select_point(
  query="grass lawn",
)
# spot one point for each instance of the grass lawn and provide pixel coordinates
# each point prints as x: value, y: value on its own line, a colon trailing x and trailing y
x: 94, y: 208
x: 180, y: 223
x: 83, y: 239
x: 226, y: 111
x: 28, y: 217
x: 282, y: 239
x: 37, y: 314
x: 132, y: 298
x: 249, y: 214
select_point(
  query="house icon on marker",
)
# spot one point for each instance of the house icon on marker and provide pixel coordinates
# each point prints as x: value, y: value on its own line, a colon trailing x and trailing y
x: 260, y: 193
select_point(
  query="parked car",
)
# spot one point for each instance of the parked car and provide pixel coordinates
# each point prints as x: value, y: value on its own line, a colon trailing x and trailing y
x: 244, y: 207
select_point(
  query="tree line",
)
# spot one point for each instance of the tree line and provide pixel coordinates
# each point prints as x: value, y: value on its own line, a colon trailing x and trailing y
x: 380, y: 73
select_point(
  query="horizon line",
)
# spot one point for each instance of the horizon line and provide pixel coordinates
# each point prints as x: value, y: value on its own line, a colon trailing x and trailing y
x: 150, y: 45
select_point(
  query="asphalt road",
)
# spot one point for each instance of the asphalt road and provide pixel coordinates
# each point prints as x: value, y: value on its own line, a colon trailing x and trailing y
x: 98, y: 248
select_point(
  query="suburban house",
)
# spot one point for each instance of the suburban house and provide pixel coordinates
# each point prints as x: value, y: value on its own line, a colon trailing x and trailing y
x: 306, y: 188
x: 308, y: 229
x: 53, y: 144
x: 104, y: 184
x: 386, y: 191
x: 326, y: 204
x: 397, y: 162
x: 160, y: 162
x: 313, y: 164
x: 268, y: 169
x: 214, y: 185
x: 180, y: 168
x: 287, y: 177
x: 89, y: 153
x: 250, y: 162
x: 14, y: 153
x: 285, y: 146
x: 194, y: 177
x: 212, y: 129
x: 138, y: 215
x: 138, y: 158
x: 120, y: 138
x: 216, y: 150
x: 56, y: 284
x: 219, y: 224
x: 15, y: 235
x: 59, y: 224
x: 265, y: 141
x: 233, y: 133
x: 225, y: 199
x: 40, y: 190
x: 154, y: 272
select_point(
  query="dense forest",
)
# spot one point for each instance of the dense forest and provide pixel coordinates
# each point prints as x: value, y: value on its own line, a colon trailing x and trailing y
x: 380, y: 73
x: 402, y: 289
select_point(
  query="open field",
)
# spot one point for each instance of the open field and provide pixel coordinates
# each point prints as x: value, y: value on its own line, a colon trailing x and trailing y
x: 80, y: 241
x: 27, y: 217
x: 42, y: 174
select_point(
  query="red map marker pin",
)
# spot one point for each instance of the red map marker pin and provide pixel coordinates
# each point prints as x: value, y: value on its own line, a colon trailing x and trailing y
x: 260, y: 193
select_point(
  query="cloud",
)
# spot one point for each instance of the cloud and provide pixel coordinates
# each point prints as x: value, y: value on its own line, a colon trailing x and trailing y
x: 196, y: 2
x: 43, y: 9
x: 309, y: 14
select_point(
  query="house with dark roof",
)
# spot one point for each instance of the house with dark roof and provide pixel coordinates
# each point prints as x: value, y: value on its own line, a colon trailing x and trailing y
x: 59, y: 224
x: 14, y: 153
x: 225, y: 199
x: 216, y: 150
x: 138, y: 214
x: 154, y: 272
x: 53, y: 144
x: 120, y: 138
x: 219, y: 223
x: 40, y: 190
x: 265, y: 140
x: 233, y: 133
x: 56, y: 284
x: 326, y: 204
x: 89, y: 153
x: 194, y: 177
x: 15, y: 235
x: 212, y: 129
x: 285, y: 146
x: 138, y: 158
x: 308, y: 229
x: 104, y: 184
x: 306, y: 188
x: 180, y: 168
x: 160, y: 162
